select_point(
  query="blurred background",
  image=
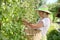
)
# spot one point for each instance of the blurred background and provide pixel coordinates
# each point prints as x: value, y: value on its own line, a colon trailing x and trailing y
x: 12, y: 11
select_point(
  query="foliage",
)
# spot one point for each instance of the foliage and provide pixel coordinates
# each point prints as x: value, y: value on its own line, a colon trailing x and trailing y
x: 54, y: 10
x: 11, y: 13
x: 53, y: 35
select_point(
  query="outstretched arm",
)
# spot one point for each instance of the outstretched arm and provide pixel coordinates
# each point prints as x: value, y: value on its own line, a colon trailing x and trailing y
x: 38, y: 25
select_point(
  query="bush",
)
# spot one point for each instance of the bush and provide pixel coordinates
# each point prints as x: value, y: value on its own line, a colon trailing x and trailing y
x: 53, y: 35
x: 11, y: 13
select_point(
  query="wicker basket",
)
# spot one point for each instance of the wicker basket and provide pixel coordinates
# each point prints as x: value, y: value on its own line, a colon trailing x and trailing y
x: 31, y: 33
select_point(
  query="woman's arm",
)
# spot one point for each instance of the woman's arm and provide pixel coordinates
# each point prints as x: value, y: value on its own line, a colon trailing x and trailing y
x: 38, y: 25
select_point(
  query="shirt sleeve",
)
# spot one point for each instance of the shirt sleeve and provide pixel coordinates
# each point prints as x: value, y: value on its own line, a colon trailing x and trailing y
x: 46, y: 22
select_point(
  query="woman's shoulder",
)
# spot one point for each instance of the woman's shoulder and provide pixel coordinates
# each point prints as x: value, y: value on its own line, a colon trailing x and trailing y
x: 46, y: 19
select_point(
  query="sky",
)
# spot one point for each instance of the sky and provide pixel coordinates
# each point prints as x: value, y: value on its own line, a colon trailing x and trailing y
x: 51, y: 1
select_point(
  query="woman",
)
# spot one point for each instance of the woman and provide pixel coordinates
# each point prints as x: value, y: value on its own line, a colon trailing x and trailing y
x: 43, y: 23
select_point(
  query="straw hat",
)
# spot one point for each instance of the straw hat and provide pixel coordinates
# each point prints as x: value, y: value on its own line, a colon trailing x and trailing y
x: 43, y: 8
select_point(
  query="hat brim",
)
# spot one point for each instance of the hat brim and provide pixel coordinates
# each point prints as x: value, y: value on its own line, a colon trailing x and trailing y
x: 44, y: 11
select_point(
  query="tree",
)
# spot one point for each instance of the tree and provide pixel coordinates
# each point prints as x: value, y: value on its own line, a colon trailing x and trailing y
x: 11, y: 13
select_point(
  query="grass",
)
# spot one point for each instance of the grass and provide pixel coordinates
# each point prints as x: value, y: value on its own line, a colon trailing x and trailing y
x: 51, y: 28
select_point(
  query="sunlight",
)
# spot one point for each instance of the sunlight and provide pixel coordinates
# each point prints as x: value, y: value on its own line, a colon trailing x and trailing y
x: 51, y: 1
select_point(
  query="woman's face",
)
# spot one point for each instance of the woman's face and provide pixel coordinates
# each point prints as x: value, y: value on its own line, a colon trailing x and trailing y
x: 41, y: 14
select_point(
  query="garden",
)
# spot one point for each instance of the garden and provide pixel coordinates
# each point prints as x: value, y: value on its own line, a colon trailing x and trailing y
x: 12, y: 12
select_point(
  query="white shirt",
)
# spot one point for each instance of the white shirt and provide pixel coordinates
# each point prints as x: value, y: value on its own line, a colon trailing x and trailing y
x: 46, y: 23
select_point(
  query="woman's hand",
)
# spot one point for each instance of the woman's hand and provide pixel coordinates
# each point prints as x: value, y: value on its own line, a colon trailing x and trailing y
x: 24, y: 21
